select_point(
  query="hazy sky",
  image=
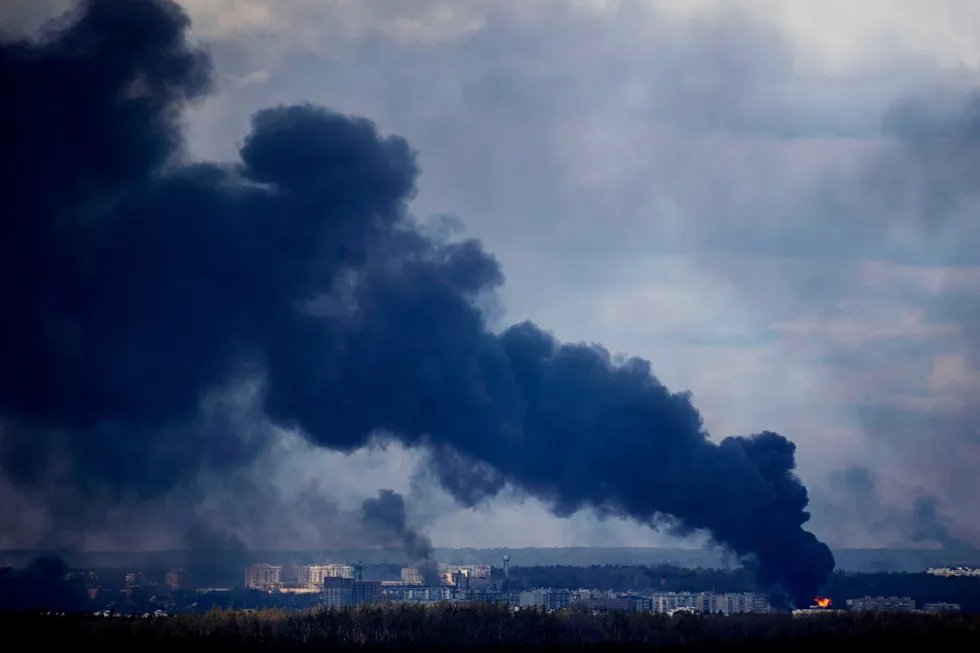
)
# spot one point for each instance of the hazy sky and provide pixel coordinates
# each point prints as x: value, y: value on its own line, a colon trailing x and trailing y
x: 769, y: 199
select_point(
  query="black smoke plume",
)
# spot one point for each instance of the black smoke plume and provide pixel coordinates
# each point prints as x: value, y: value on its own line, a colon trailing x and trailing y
x: 385, y: 515
x: 135, y: 282
x: 44, y: 584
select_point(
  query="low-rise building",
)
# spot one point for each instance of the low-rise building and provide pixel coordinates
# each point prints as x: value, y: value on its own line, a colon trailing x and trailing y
x: 881, y: 604
x: 415, y: 594
x: 709, y: 602
x: 941, y: 608
x: 953, y: 571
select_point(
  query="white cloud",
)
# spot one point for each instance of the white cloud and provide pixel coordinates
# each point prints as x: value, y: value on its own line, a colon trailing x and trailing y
x: 879, y: 276
x: 868, y: 322
x: 841, y: 34
x: 832, y: 35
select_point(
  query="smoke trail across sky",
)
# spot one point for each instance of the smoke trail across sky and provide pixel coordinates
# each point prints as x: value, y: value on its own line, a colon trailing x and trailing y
x: 137, y: 283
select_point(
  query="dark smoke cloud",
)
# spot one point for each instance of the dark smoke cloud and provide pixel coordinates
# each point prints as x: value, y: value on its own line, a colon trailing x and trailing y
x: 43, y: 585
x: 136, y: 283
x: 386, y: 516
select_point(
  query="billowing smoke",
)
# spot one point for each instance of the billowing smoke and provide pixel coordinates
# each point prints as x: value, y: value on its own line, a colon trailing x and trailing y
x: 385, y: 515
x: 135, y: 283
x: 43, y: 585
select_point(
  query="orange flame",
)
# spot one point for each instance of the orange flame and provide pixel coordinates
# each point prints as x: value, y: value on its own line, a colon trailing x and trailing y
x: 822, y: 602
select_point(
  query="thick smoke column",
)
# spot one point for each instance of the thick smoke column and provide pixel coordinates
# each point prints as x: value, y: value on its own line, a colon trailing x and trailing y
x: 385, y: 515
x: 134, y: 284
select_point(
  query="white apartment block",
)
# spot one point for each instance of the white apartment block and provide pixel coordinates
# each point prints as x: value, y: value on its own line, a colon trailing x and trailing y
x: 727, y: 604
x: 953, y: 571
x: 667, y: 602
x: 739, y: 603
x: 296, y: 577
x: 263, y: 576
x: 312, y: 576
x: 319, y: 572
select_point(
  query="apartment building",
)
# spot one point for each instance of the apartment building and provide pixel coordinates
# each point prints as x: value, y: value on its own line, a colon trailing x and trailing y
x: 312, y: 576
x: 411, y: 576
x: 176, y: 579
x: 417, y: 594
x: 263, y: 576
x: 881, y: 604
x: 668, y: 602
x: 735, y: 603
x: 339, y: 593
x: 547, y: 599
x: 941, y: 608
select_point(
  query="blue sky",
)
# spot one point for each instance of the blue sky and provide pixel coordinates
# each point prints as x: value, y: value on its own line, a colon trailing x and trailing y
x: 772, y: 200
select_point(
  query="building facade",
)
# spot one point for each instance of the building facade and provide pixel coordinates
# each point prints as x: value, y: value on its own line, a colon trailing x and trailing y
x: 941, y: 608
x: 881, y: 604
x: 176, y: 579
x: 411, y: 576
x: 546, y: 599
x: 312, y: 576
x: 367, y: 592
x: 735, y: 603
x: 339, y: 593
x: 263, y: 576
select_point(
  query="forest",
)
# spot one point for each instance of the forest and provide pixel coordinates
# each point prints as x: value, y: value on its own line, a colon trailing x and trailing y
x: 483, y: 627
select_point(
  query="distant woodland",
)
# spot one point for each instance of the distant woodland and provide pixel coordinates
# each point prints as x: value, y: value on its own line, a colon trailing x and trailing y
x: 445, y: 627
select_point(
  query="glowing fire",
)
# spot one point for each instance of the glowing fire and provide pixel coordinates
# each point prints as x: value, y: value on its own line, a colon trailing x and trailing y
x: 822, y: 602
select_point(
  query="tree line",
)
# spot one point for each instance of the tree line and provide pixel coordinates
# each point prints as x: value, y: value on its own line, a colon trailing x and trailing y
x: 485, y: 627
